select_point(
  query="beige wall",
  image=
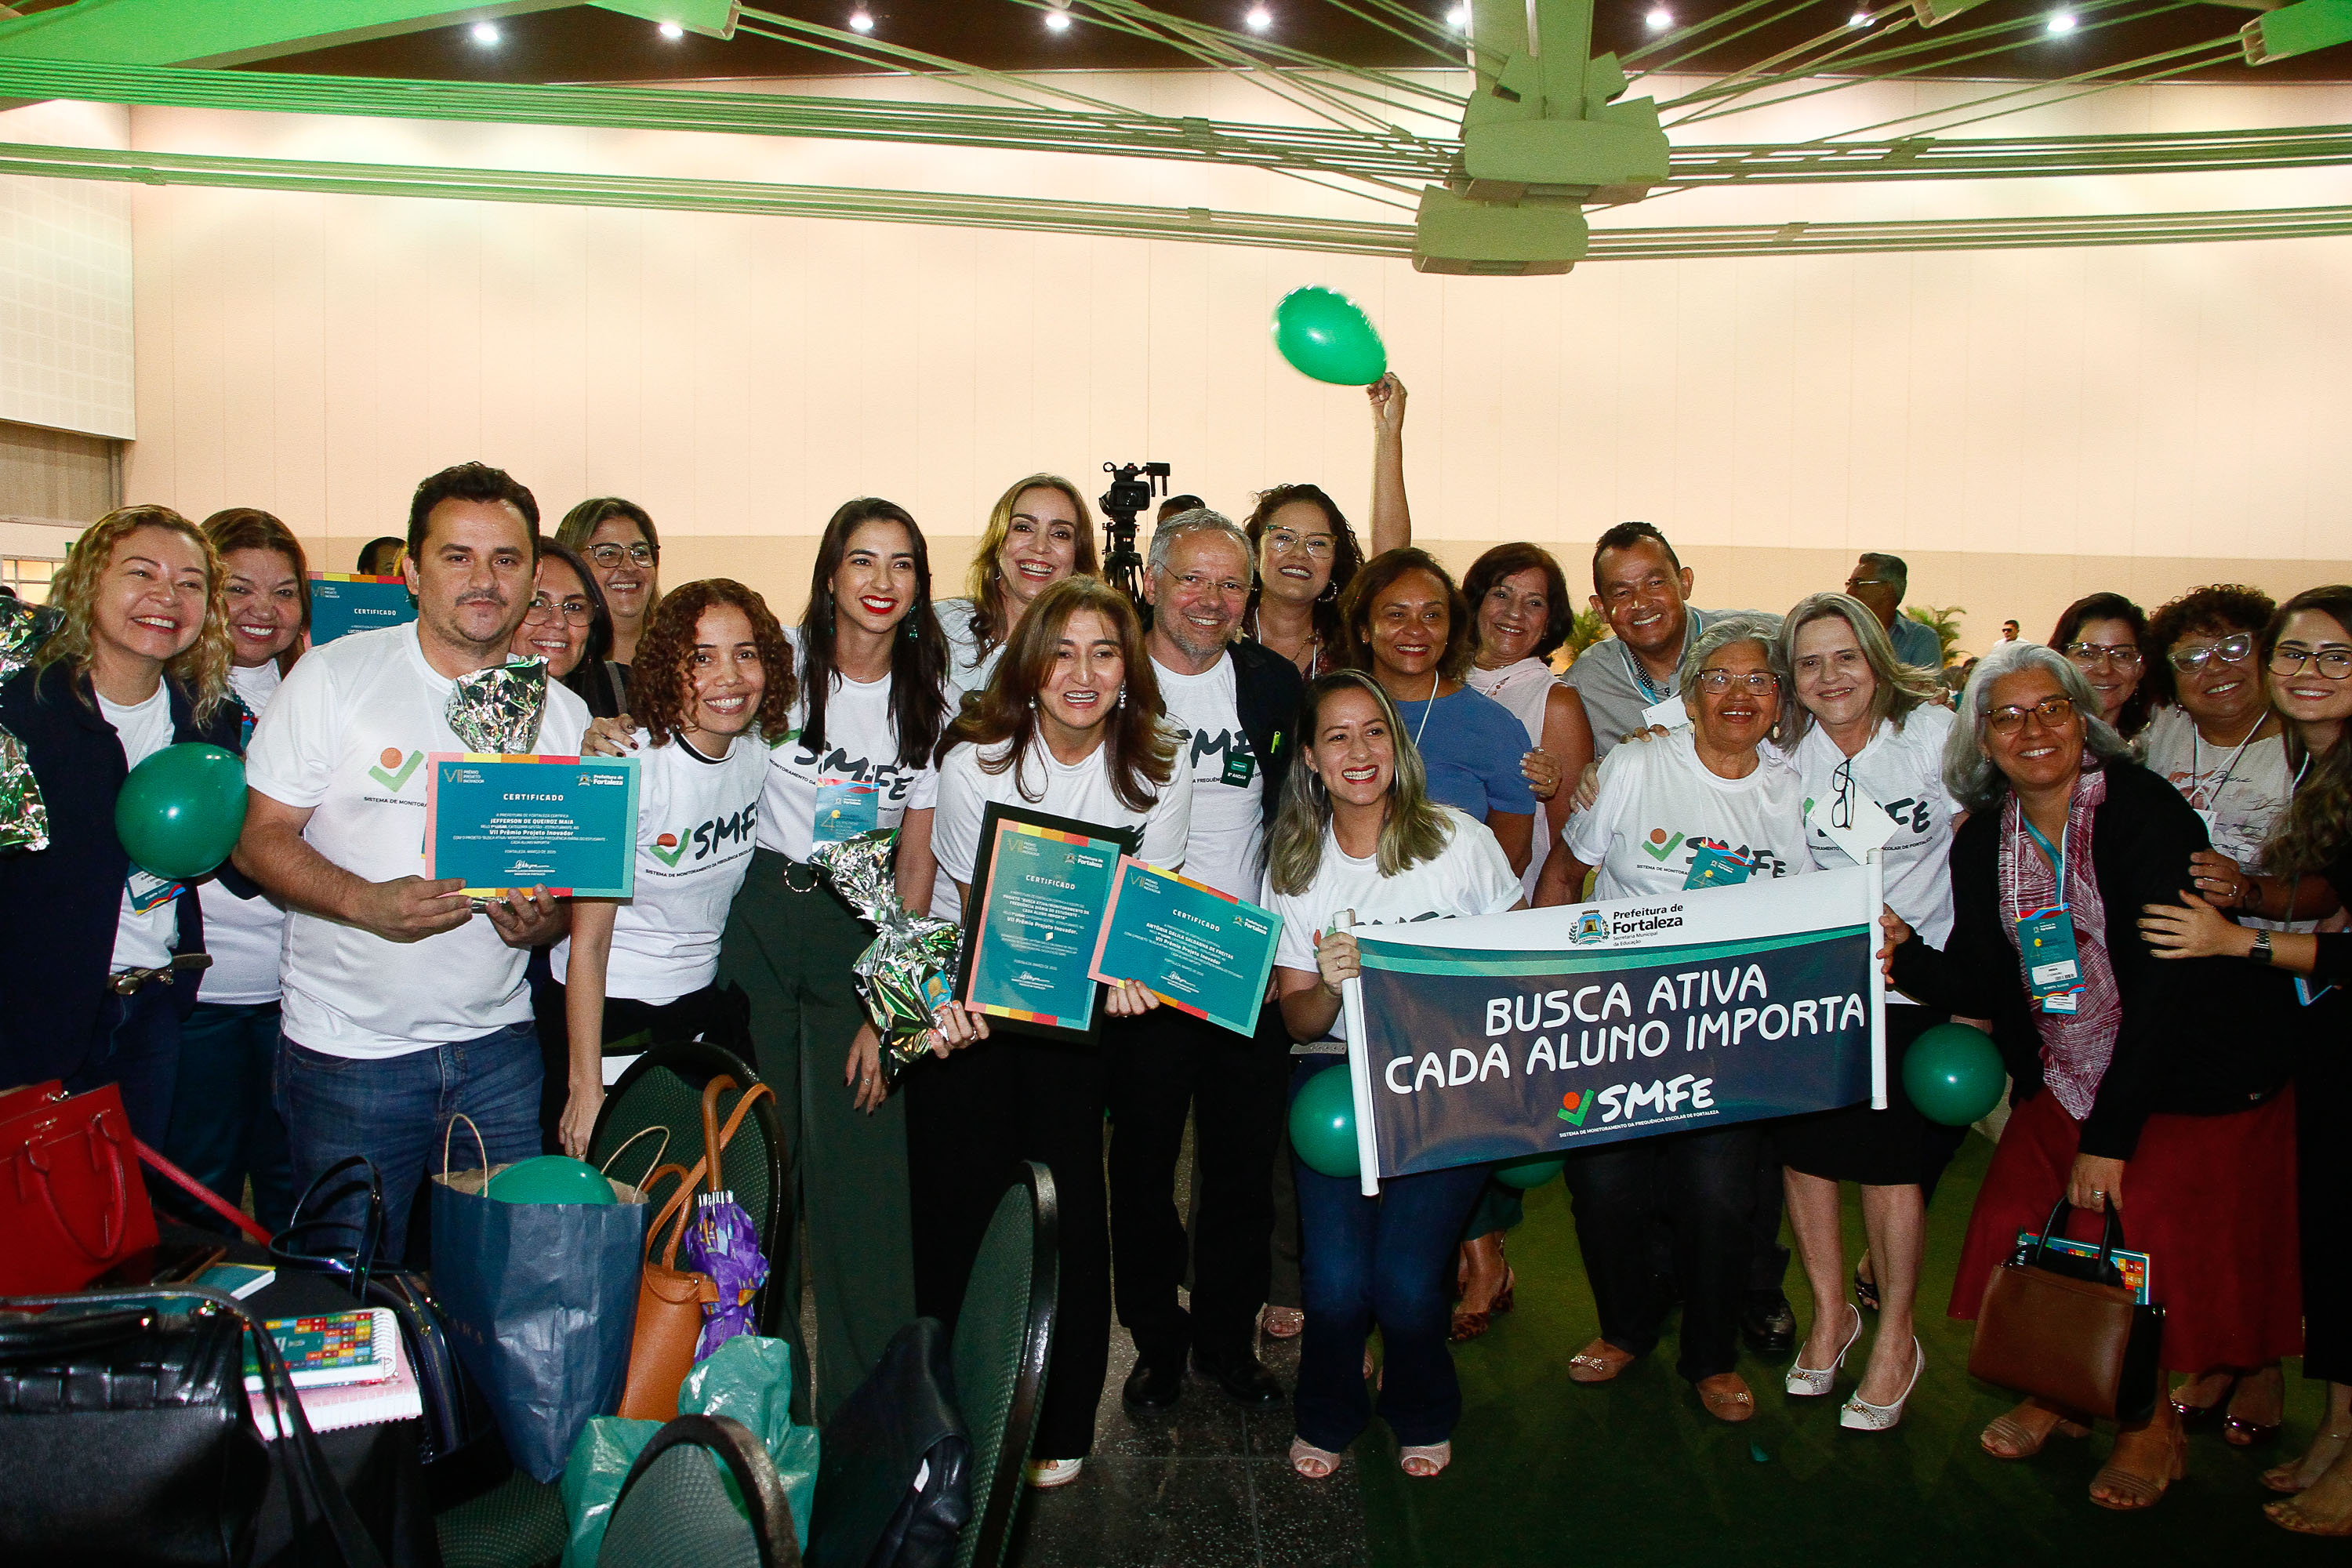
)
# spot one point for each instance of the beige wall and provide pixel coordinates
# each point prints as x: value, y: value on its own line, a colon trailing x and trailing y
x: 2022, y: 426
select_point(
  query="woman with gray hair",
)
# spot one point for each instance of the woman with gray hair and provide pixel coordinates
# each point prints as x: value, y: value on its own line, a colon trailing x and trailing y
x: 1701, y: 807
x: 2115, y: 1104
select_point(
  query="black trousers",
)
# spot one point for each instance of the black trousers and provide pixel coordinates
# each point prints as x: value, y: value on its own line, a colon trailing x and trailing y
x: 1156, y: 1068
x: 971, y: 1119
x: 2322, y: 1078
x: 1704, y: 1183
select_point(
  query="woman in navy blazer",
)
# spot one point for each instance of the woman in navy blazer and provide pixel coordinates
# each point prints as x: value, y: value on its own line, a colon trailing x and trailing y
x: 97, y: 986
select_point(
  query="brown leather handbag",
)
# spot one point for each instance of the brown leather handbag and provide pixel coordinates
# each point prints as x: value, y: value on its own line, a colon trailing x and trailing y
x: 669, y: 1299
x: 2068, y: 1332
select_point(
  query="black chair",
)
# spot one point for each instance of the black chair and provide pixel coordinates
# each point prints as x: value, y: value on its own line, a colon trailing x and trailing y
x: 1002, y: 1337
x: 674, y: 1510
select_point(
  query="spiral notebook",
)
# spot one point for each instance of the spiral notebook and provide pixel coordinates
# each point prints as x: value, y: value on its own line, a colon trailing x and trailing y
x: 395, y: 1398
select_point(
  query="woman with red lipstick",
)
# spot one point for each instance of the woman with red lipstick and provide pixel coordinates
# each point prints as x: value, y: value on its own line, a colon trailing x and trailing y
x: 1039, y: 531
x: 1069, y: 724
x: 139, y: 662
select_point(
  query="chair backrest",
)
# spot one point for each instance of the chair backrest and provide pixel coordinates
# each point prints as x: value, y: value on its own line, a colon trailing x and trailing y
x: 1003, y: 1338
x: 663, y: 1087
x: 676, y: 1509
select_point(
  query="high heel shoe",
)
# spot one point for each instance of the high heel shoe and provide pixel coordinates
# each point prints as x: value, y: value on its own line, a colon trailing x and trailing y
x: 2197, y: 1417
x: 1810, y: 1382
x: 1861, y: 1415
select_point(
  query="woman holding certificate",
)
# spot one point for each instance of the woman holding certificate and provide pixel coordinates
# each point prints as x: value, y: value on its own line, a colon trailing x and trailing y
x: 1068, y: 725
x: 2136, y: 1086
x: 1359, y: 833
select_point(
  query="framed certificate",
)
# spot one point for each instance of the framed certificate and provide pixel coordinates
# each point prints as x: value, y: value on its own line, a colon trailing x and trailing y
x: 565, y: 824
x: 341, y: 603
x: 1206, y: 952
x: 1039, y: 887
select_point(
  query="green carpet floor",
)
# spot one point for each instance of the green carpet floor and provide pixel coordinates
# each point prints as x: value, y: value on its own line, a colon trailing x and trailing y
x: 1546, y: 1471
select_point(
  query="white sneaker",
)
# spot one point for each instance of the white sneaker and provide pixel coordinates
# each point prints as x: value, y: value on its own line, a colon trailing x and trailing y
x: 1046, y: 1473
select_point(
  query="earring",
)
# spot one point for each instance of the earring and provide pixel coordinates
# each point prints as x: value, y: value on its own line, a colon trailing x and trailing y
x: 1331, y: 591
x: 1032, y: 702
x: 1122, y: 698
x: 828, y: 610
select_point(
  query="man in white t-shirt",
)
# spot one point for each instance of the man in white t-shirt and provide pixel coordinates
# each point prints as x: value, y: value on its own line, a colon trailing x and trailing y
x: 1237, y: 704
x: 400, y: 1009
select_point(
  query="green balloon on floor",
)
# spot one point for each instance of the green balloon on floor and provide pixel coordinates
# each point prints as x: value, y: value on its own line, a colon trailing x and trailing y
x: 551, y: 1179
x: 1325, y: 334
x: 180, y: 811
x: 1953, y: 1074
x: 1529, y: 1172
x: 1323, y: 1124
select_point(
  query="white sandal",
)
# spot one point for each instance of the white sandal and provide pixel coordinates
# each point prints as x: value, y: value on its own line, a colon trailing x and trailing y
x: 1304, y: 1453
x: 1437, y: 1453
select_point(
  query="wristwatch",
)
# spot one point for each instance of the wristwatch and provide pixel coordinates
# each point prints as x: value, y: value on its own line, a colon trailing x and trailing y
x: 2262, y: 949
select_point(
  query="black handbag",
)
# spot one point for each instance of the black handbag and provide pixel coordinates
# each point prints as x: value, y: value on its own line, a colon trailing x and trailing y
x: 127, y: 1437
x: 894, y: 1475
x: 346, y: 1249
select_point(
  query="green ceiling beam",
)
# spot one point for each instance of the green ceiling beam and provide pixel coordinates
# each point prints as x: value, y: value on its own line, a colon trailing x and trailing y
x: 2296, y: 29
x: 233, y: 32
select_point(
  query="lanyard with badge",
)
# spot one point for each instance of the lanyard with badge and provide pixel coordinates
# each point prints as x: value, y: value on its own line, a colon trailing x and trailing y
x: 845, y: 808
x: 2045, y: 940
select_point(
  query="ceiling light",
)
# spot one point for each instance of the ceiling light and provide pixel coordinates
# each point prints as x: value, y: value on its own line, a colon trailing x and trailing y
x: 1259, y: 20
x: 1660, y: 19
x: 860, y: 22
x: 1057, y: 21
x: 1459, y: 18
x: 485, y: 34
x: 672, y: 31
x: 2061, y: 21
x: 1859, y: 19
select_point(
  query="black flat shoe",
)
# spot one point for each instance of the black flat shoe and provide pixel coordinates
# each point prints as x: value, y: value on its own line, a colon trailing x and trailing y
x: 1154, y: 1385
x: 1246, y: 1379
x: 1768, y: 1323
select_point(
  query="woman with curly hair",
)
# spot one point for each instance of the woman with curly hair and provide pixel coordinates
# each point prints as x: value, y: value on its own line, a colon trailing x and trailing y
x: 139, y: 661
x: 712, y: 664
x: 1039, y: 531
x: 1069, y: 724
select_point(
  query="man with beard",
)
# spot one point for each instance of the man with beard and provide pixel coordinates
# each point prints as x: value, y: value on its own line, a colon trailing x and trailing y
x: 400, y: 1009
x: 1237, y: 704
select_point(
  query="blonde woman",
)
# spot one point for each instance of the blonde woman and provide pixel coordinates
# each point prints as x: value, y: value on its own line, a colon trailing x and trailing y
x: 1039, y: 531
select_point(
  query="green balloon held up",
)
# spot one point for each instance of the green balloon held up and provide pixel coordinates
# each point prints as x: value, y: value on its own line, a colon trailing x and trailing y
x: 551, y: 1179
x: 1325, y: 334
x: 1530, y: 1172
x: 1953, y: 1074
x: 1323, y: 1124
x: 181, y: 810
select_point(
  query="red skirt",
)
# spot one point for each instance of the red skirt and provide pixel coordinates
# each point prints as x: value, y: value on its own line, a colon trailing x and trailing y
x: 2211, y: 1199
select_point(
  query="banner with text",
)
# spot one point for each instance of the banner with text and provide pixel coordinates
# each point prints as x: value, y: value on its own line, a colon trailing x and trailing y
x: 1544, y: 1031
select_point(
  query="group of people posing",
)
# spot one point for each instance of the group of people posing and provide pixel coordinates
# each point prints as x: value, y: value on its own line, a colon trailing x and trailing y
x: 1296, y: 723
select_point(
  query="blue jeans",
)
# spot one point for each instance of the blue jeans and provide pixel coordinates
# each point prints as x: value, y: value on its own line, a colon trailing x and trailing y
x: 135, y: 1046
x: 225, y: 1125
x: 395, y: 1110
x: 1385, y: 1260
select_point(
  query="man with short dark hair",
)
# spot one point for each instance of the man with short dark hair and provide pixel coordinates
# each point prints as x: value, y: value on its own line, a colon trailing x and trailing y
x: 402, y: 1010
x: 1237, y: 704
x: 1642, y: 589
x: 1880, y: 581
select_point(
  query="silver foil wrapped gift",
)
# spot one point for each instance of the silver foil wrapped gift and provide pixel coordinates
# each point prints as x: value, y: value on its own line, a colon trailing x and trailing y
x: 908, y: 970
x: 24, y: 815
x: 496, y: 711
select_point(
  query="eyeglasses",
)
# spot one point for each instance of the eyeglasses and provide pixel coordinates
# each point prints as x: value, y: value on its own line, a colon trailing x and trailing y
x: 2122, y: 655
x: 1318, y: 546
x: 1202, y: 582
x: 2231, y: 649
x: 1715, y: 682
x: 2051, y: 711
x: 576, y: 611
x: 642, y: 553
x: 2289, y: 657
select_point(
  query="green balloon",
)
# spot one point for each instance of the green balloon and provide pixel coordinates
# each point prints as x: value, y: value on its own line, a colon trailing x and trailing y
x: 551, y: 1179
x: 1953, y: 1074
x: 1529, y: 1172
x: 1325, y: 334
x: 181, y: 810
x: 1323, y: 1124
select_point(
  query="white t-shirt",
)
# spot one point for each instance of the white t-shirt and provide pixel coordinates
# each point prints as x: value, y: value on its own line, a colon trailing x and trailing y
x: 346, y: 739
x: 695, y: 821
x: 968, y: 668
x: 1471, y: 876
x: 1657, y: 802
x: 2241, y: 792
x: 150, y: 921
x: 1902, y: 771
x: 1525, y: 691
x: 1080, y: 791
x: 1226, y: 847
x: 858, y: 783
x: 247, y: 937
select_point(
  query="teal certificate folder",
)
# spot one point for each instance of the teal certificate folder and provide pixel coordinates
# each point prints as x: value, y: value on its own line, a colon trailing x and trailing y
x: 1040, y: 884
x: 1195, y: 948
x: 341, y: 603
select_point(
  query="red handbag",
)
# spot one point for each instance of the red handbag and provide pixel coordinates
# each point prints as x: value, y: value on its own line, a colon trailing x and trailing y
x: 72, y: 1201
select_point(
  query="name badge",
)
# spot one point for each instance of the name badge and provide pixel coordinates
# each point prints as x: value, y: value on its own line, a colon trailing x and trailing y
x: 843, y: 810
x: 1240, y: 768
x: 2305, y: 995
x: 1712, y: 868
x: 2054, y: 970
x: 1668, y: 715
x: 148, y: 891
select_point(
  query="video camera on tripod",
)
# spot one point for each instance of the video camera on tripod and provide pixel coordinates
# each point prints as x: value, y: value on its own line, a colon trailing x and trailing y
x: 1133, y: 487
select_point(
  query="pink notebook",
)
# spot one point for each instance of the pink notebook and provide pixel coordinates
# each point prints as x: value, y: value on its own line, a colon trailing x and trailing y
x: 355, y: 1404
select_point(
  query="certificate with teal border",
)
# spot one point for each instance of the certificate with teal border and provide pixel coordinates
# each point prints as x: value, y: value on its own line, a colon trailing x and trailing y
x: 502, y: 823
x: 1039, y: 886
x: 1205, y: 953
x: 341, y: 603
